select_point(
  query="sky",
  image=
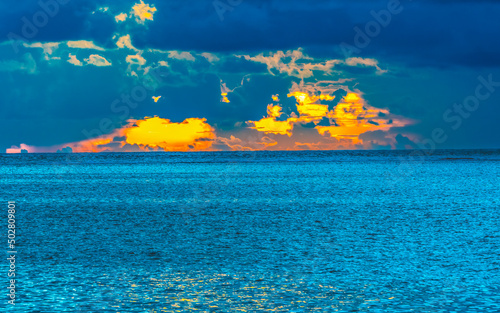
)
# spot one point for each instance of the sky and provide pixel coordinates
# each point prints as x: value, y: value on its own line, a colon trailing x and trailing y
x: 205, y: 75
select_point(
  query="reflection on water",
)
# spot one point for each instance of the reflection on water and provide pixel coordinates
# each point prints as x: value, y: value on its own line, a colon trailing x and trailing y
x: 284, y: 232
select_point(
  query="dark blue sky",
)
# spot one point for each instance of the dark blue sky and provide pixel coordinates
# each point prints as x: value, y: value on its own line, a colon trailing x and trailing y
x: 420, y: 62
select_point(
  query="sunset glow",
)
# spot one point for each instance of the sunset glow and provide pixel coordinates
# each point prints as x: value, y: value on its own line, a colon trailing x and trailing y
x: 191, y: 134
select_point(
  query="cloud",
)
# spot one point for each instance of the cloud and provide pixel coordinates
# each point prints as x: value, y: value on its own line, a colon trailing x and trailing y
x: 191, y: 134
x: 48, y: 47
x: 121, y: 17
x: 403, y: 142
x: 212, y: 58
x: 101, y: 9
x: 224, y: 92
x: 148, y: 134
x: 181, y: 56
x: 142, y: 12
x: 366, y: 62
x: 353, y: 117
x: 135, y: 59
x: 83, y: 44
x: 22, y: 148
x: 135, y: 64
x: 93, y: 145
x: 28, y: 64
x: 309, y: 108
x: 344, y: 121
x: 298, y: 64
x: 125, y: 41
x: 319, y: 111
x: 426, y: 36
x: 73, y: 60
x: 97, y: 60
x: 65, y: 150
x: 270, y: 124
x: 293, y: 63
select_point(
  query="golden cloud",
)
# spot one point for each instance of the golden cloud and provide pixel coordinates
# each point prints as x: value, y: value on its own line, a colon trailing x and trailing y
x: 270, y: 124
x: 350, y: 118
x: 191, y: 134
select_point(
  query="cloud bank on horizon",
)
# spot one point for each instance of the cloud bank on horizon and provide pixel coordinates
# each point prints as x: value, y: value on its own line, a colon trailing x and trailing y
x: 98, y: 76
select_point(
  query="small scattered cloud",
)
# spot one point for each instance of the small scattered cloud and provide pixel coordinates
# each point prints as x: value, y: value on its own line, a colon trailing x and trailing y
x: 65, y: 150
x: 73, y: 60
x: 212, y: 58
x: 224, y: 91
x: 135, y: 64
x: 142, y: 12
x: 365, y: 62
x: 293, y: 63
x: 101, y: 9
x: 121, y: 17
x: 97, y: 60
x: 135, y: 59
x: 48, y: 47
x: 28, y: 64
x: 84, y: 44
x: 125, y: 42
x: 22, y: 148
x: 181, y: 56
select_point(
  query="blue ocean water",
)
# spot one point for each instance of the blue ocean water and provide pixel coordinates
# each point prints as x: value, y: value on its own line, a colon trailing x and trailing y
x: 359, y: 231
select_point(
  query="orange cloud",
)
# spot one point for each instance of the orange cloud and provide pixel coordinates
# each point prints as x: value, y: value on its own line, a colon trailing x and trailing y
x: 353, y: 117
x: 92, y: 145
x: 191, y: 134
x: 270, y: 125
x: 224, y: 91
x: 350, y: 118
x: 144, y: 135
x: 224, y: 97
x: 308, y: 108
x: 22, y: 148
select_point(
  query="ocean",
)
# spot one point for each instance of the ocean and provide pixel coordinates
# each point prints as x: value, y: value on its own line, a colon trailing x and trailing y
x: 333, y: 231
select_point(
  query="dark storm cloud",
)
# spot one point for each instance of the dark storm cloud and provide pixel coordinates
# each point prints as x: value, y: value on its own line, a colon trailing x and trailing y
x: 434, y: 51
x: 423, y: 33
x: 70, y: 21
x: 437, y: 33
